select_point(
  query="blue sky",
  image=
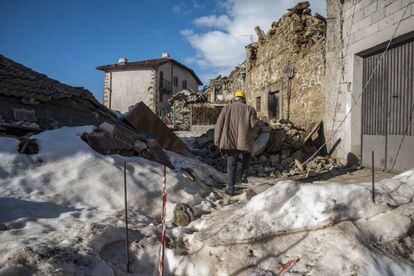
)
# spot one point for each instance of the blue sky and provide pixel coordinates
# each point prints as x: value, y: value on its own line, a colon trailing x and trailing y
x: 66, y: 40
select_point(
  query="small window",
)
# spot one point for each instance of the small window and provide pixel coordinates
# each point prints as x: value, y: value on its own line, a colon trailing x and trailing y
x: 258, y: 103
x: 184, y: 84
x: 175, y: 81
x: 161, y: 79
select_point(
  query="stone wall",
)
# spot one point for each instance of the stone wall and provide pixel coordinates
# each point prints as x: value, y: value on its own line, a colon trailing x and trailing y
x: 222, y: 89
x: 298, y: 40
x: 355, y: 26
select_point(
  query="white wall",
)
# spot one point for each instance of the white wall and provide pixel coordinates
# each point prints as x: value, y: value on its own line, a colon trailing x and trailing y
x: 373, y: 23
x: 131, y: 86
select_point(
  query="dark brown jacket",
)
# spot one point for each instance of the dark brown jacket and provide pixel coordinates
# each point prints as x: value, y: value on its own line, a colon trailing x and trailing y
x: 234, y: 128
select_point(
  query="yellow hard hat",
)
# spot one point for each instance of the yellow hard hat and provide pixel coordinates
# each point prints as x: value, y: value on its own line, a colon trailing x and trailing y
x: 239, y: 94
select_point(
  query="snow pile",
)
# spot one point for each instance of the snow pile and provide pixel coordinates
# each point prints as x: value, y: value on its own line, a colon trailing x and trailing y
x: 61, y: 210
x: 66, y: 170
x: 288, y: 207
x: 333, y: 228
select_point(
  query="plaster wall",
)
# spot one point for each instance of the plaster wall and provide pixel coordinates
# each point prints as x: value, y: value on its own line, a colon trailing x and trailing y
x: 131, y: 86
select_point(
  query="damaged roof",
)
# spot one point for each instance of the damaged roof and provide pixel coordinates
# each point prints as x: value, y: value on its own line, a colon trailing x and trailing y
x: 19, y: 81
x: 148, y: 63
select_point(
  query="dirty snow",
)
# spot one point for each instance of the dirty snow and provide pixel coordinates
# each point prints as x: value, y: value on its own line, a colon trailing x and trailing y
x: 67, y: 186
x: 61, y: 213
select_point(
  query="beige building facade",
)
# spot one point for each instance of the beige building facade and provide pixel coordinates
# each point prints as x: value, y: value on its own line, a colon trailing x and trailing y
x: 151, y: 81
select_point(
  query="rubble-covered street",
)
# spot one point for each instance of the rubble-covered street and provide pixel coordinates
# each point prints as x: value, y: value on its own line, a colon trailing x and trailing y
x: 275, y: 138
x: 59, y: 222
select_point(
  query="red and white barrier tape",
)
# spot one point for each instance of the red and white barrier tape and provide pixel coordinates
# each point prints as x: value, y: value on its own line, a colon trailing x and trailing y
x: 164, y: 211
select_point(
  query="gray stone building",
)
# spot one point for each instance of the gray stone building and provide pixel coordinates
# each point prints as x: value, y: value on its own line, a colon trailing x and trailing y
x: 369, y: 91
x: 151, y: 81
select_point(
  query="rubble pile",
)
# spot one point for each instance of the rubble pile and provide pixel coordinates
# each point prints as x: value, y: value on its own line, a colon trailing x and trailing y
x: 299, y: 26
x: 279, y: 150
x: 110, y: 139
x: 181, y: 108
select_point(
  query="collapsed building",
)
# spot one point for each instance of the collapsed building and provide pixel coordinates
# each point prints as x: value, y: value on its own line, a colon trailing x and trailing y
x: 31, y: 103
x: 188, y: 108
x: 222, y: 88
x: 285, y: 69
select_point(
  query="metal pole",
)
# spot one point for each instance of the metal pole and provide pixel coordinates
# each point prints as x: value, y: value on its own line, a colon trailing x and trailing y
x: 164, y: 206
x: 126, y: 221
x: 373, y: 179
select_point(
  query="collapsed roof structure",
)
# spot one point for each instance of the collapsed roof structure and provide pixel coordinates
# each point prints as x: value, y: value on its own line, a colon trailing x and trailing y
x: 32, y: 101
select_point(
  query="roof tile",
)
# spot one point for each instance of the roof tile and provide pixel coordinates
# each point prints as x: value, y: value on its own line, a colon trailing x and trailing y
x: 32, y: 87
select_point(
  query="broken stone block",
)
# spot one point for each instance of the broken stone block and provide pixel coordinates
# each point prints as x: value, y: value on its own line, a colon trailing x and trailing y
x: 259, y: 32
x: 139, y: 146
x: 262, y: 159
x: 249, y: 194
x: 296, y: 17
x: 301, y: 6
x: 107, y: 127
x: 285, y: 154
x: 182, y: 214
x: 274, y: 159
x: 298, y: 155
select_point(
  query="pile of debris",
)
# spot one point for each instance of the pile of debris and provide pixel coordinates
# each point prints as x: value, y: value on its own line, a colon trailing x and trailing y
x: 110, y: 139
x: 307, y: 29
x: 180, y: 113
x: 279, y: 150
x: 32, y: 102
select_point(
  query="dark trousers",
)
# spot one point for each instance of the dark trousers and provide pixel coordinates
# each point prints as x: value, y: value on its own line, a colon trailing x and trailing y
x: 233, y: 157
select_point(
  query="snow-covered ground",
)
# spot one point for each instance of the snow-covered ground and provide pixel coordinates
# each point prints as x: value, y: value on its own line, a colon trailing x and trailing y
x: 61, y: 212
x: 333, y: 228
x: 61, y: 207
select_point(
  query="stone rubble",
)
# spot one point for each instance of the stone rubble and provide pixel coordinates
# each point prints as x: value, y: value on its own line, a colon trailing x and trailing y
x: 280, y: 155
x: 181, y: 105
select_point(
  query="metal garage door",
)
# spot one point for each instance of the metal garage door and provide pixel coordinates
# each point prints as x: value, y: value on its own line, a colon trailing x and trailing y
x: 387, y: 105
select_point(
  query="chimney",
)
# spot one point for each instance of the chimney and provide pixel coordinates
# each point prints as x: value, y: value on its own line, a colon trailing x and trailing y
x: 122, y: 61
x: 165, y: 55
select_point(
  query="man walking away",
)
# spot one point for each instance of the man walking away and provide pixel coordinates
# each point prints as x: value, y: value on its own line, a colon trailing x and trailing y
x: 234, y: 135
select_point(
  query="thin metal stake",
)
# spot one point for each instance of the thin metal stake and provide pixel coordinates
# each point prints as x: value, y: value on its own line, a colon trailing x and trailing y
x: 164, y: 205
x: 373, y: 178
x: 126, y: 221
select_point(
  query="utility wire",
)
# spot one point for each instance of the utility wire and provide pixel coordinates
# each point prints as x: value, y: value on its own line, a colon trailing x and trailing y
x: 363, y: 89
